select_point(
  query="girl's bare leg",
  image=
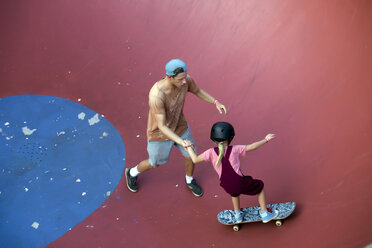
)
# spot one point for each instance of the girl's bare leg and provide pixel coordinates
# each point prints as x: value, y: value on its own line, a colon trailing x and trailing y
x: 262, y: 200
x: 236, y: 203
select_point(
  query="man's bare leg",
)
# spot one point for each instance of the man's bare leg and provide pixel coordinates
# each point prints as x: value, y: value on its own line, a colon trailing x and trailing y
x: 132, y: 173
x: 190, y: 181
x: 145, y: 166
x: 189, y: 167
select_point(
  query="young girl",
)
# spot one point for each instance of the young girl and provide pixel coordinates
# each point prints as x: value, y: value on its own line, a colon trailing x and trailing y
x: 225, y: 160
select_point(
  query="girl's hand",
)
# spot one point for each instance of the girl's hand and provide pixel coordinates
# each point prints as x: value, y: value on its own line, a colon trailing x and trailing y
x: 269, y: 137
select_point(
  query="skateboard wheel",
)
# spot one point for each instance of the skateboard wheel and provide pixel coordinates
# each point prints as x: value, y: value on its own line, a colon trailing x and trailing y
x: 278, y: 223
x: 236, y: 228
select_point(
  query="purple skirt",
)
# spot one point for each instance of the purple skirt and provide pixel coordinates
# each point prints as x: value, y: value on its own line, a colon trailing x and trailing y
x: 245, y: 185
x: 233, y: 183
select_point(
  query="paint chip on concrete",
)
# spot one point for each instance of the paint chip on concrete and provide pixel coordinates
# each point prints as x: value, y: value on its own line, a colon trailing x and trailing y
x: 94, y: 120
x: 81, y: 116
x: 104, y: 134
x: 61, y: 133
x: 27, y: 131
x: 35, y: 225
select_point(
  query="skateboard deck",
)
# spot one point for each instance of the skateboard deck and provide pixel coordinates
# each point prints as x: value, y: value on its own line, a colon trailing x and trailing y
x: 251, y: 214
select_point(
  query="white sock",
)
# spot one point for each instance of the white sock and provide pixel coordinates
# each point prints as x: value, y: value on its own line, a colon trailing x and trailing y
x: 237, y: 211
x: 188, y: 179
x: 134, y: 171
x: 263, y: 214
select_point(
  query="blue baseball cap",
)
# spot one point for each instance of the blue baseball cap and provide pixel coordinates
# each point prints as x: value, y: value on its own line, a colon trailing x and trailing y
x: 173, y: 65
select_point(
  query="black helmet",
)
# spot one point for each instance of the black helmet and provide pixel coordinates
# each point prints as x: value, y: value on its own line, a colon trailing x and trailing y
x: 222, y: 131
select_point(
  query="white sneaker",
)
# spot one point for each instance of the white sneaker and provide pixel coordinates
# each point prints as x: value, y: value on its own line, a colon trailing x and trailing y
x: 239, y: 217
x: 267, y: 216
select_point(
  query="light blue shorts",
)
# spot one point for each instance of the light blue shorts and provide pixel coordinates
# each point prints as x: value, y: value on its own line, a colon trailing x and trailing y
x: 159, y: 150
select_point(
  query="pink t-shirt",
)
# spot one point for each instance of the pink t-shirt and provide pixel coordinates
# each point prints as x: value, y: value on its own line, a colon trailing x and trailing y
x: 211, y: 156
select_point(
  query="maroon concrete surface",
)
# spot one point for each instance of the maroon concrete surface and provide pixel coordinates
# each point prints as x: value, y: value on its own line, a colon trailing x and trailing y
x: 300, y: 69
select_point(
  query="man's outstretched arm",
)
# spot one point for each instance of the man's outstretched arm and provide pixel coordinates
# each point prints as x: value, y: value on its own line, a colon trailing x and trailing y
x: 208, y: 98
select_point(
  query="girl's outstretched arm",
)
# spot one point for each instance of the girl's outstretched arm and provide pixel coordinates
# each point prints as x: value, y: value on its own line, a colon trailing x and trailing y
x: 257, y: 144
x: 195, y: 158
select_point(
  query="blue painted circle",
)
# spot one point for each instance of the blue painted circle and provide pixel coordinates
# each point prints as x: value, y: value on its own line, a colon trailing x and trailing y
x: 59, y: 161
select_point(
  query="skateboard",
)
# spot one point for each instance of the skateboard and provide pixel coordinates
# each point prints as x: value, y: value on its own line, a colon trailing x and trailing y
x: 251, y: 214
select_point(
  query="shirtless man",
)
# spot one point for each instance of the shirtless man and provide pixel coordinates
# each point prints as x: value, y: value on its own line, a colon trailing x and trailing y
x: 167, y: 126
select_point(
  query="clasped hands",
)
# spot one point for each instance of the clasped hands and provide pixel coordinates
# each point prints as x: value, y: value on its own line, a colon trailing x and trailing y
x: 187, y: 143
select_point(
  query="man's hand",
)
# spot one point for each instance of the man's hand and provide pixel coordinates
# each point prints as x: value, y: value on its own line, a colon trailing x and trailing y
x: 221, y: 107
x: 186, y: 144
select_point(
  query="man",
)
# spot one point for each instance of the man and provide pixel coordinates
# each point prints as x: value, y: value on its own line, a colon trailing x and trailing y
x: 167, y: 125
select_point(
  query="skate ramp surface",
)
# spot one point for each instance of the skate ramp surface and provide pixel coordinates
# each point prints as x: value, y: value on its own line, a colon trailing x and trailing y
x: 299, y: 69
